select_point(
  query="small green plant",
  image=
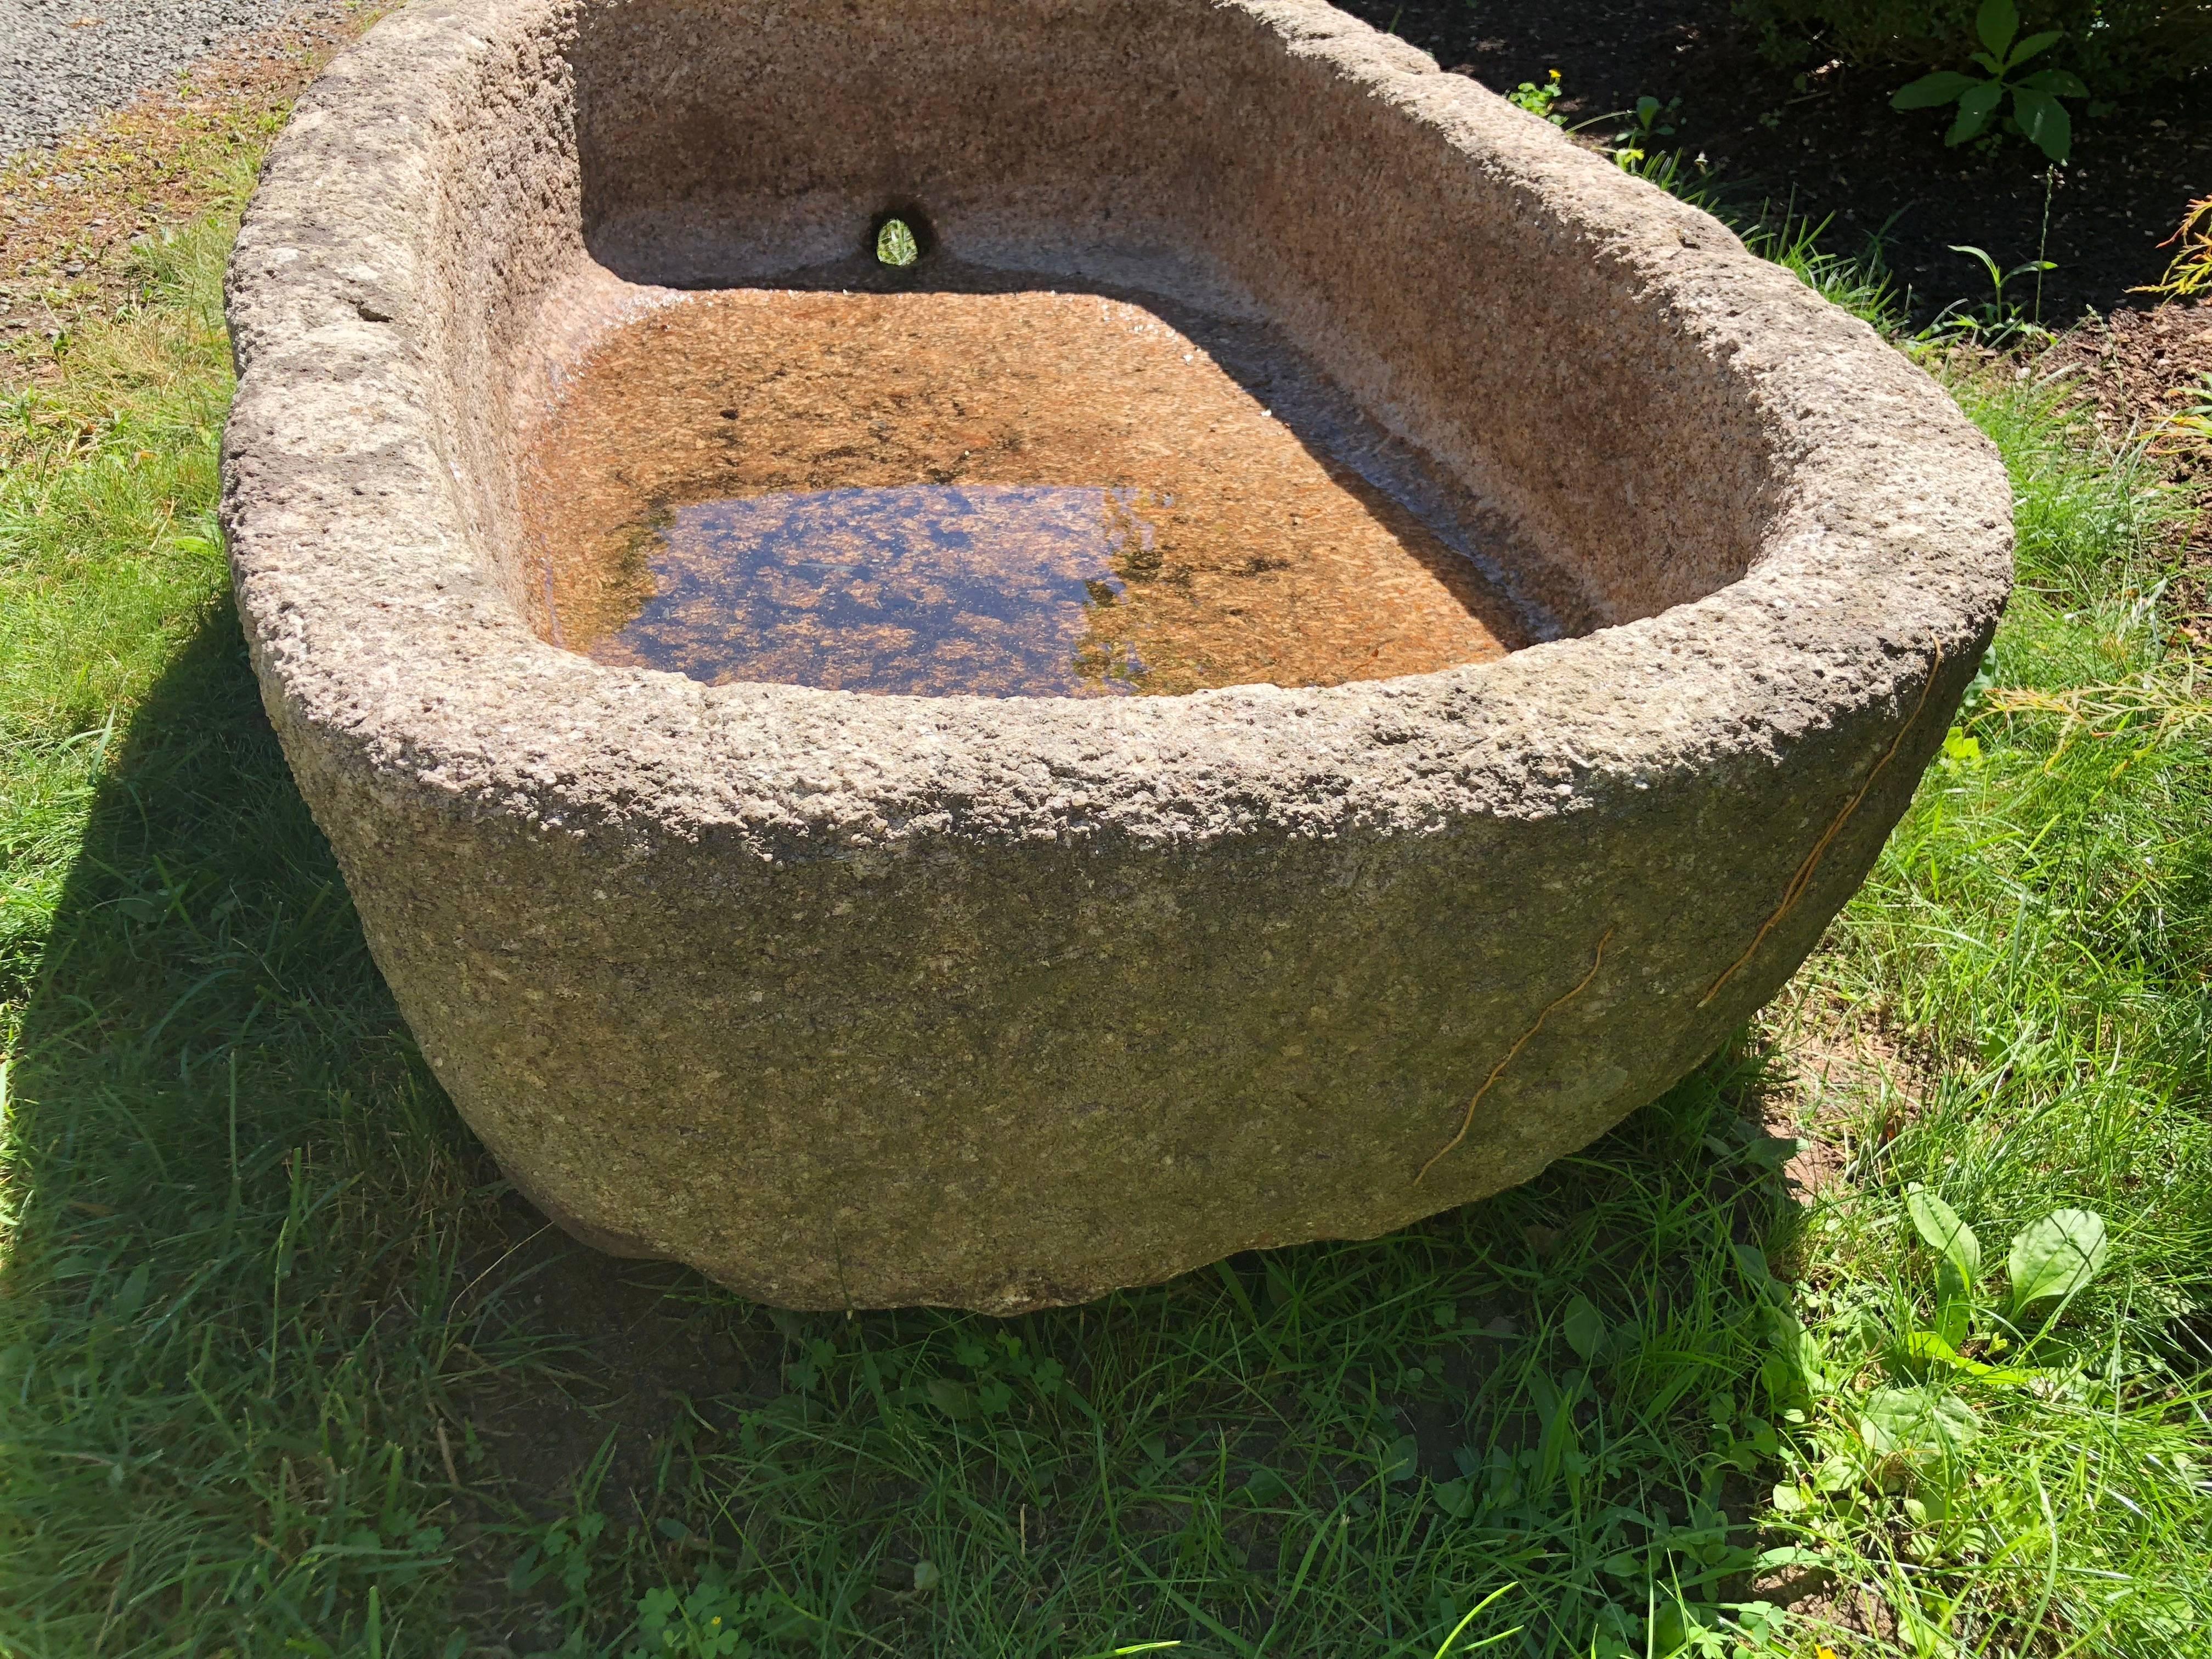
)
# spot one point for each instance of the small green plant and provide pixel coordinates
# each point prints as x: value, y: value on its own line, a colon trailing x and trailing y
x: 1998, y: 322
x: 713, y: 1620
x: 1003, y: 1369
x: 1538, y: 100
x: 2035, y: 106
x: 1652, y: 120
x: 1906, y: 1435
x: 2050, y: 1263
x: 564, y: 1549
x: 563, y: 1553
x: 1962, y: 752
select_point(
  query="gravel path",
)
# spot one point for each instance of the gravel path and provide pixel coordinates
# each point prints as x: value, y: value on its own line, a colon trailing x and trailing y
x: 63, y: 62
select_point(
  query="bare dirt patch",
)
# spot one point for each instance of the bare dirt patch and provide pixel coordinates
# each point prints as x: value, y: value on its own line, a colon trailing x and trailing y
x: 1841, y: 1086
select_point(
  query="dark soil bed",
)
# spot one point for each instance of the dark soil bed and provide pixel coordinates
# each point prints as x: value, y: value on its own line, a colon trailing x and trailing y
x: 2138, y: 370
x: 1830, y: 146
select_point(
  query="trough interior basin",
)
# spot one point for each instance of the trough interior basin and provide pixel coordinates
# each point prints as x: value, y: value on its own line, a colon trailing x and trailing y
x: 1315, y: 433
x: 993, y: 488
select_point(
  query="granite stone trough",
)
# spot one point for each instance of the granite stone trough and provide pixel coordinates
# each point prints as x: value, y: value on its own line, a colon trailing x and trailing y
x: 856, y: 999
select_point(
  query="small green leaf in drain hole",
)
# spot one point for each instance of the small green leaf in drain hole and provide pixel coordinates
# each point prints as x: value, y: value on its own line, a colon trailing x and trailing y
x: 894, y: 244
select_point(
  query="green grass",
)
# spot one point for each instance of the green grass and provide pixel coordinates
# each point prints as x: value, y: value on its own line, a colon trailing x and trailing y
x: 228, y: 1177
x: 284, y: 1368
x: 2039, y: 929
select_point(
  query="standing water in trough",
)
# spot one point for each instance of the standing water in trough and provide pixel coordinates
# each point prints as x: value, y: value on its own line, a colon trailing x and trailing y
x: 1003, y: 493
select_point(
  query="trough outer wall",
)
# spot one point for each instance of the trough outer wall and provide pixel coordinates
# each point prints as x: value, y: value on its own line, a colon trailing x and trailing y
x: 853, y: 1001
x: 1053, y: 1122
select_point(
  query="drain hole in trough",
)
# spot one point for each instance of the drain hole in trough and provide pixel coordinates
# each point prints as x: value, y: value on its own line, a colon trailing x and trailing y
x: 899, y: 239
x: 894, y: 244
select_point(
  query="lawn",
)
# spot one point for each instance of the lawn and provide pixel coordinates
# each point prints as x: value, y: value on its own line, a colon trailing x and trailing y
x: 1887, y: 1332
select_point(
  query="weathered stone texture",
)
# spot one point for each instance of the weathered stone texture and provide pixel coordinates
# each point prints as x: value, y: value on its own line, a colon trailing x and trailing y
x: 861, y: 1000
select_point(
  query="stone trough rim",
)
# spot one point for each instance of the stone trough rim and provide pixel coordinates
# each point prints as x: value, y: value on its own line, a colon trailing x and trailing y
x: 393, y: 642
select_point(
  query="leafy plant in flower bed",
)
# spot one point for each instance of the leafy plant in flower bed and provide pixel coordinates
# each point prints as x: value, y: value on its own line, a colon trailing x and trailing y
x: 1997, y: 323
x: 2035, y: 106
x: 1538, y: 100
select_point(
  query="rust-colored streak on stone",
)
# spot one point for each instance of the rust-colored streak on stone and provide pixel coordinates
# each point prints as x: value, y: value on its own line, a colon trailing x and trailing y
x: 1009, y: 494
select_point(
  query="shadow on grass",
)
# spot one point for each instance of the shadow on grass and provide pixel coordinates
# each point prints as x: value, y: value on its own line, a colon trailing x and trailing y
x: 285, y: 1363
x: 260, y: 1262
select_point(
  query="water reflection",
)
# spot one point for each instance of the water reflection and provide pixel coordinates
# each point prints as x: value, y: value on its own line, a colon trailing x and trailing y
x: 998, y: 589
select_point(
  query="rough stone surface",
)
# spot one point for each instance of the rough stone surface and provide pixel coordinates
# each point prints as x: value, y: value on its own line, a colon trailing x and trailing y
x: 860, y: 1001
